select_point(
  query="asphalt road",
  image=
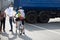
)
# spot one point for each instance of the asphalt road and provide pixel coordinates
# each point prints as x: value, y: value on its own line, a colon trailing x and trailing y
x: 38, y: 31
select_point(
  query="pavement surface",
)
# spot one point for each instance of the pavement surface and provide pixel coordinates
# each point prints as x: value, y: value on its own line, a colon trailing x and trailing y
x: 38, y: 31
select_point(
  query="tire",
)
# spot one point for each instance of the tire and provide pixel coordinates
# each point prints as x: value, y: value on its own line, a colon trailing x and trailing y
x: 31, y: 17
x: 44, y: 18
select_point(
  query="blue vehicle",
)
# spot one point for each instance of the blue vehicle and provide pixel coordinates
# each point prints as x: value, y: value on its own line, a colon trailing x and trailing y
x: 39, y: 10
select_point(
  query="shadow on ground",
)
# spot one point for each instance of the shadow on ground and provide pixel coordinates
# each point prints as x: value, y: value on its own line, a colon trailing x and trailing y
x: 16, y: 36
x: 19, y: 37
x: 50, y: 26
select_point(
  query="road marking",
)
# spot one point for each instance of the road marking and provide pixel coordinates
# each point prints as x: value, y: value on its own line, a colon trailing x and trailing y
x: 45, y: 28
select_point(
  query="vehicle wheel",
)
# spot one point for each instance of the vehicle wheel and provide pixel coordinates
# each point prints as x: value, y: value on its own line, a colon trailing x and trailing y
x: 31, y: 17
x: 44, y: 18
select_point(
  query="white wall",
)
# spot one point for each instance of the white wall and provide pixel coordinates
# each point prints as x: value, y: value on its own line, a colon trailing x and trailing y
x: 5, y: 3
